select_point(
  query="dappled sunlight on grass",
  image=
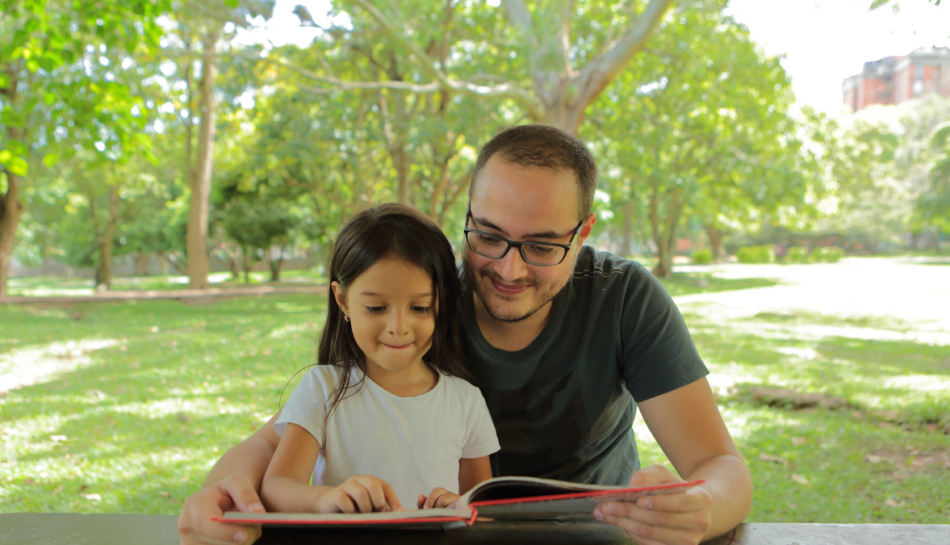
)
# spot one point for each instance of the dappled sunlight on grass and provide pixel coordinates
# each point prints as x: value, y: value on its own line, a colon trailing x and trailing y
x: 139, y: 424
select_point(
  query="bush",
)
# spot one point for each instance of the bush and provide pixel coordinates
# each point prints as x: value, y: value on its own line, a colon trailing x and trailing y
x: 756, y: 254
x: 827, y: 254
x: 701, y: 256
x: 797, y: 254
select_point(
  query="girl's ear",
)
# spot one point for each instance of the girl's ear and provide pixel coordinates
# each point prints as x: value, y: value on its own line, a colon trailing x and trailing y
x: 340, y: 296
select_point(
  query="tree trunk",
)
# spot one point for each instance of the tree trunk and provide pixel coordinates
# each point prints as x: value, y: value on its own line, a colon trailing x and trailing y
x: 664, y: 265
x: 104, y: 270
x: 664, y: 232
x: 626, y: 241
x: 10, y: 206
x: 141, y: 264
x: 716, y: 237
x: 275, y: 266
x: 197, y: 237
x: 246, y: 264
x: 936, y: 244
x: 10, y: 209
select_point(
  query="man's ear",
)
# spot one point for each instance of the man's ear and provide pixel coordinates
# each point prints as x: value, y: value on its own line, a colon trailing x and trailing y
x: 587, y: 228
x: 340, y: 296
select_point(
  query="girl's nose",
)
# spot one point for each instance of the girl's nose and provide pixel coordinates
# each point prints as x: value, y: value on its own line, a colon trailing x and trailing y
x: 397, y: 324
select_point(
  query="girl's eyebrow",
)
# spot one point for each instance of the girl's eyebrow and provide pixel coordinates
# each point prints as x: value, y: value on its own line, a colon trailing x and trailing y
x: 416, y: 296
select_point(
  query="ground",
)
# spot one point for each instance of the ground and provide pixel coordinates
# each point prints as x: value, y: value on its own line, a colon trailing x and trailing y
x: 833, y: 379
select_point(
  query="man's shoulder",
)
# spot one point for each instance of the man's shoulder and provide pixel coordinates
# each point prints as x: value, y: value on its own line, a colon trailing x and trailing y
x: 601, y: 266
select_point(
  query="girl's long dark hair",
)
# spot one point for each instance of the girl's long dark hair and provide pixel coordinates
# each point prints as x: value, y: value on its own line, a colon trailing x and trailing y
x: 402, y: 232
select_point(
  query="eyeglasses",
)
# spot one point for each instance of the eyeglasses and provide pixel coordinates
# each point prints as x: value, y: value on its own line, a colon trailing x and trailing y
x: 544, y: 254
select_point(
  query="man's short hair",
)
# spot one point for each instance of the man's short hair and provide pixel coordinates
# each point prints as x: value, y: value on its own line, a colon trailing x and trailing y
x: 545, y: 147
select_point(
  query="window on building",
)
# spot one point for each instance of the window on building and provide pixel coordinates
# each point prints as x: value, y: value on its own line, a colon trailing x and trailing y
x: 919, y: 72
x: 918, y: 87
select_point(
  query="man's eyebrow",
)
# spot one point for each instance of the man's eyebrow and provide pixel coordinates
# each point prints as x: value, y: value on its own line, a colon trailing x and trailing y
x: 531, y: 236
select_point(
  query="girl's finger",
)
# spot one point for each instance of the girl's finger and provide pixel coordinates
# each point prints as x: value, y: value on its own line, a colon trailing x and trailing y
x: 360, y: 497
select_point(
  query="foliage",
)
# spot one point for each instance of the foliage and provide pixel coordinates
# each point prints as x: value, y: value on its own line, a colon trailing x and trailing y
x: 53, y: 60
x: 756, y: 254
x: 701, y: 256
x: 698, y: 128
x: 827, y: 254
x: 797, y: 254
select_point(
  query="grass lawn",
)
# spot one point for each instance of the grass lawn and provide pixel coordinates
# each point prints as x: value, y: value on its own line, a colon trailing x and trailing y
x: 148, y: 394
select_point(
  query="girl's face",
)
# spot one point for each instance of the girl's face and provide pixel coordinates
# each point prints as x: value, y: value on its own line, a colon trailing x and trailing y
x: 392, y: 309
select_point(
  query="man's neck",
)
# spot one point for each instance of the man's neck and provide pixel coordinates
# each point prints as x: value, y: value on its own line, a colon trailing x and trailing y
x: 510, y: 336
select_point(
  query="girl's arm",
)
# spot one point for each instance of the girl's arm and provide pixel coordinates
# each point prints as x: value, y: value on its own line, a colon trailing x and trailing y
x: 286, y: 487
x: 471, y: 472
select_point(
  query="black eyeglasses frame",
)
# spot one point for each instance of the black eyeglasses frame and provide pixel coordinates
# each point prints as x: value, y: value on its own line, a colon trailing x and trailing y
x: 520, y: 245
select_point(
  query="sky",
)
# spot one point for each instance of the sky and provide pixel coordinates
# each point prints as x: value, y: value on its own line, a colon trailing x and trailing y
x: 825, y: 41
x: 822, y: 41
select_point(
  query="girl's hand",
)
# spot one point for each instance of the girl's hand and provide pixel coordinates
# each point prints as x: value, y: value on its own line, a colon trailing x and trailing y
x: 439, y: 497
x: 359, y: 494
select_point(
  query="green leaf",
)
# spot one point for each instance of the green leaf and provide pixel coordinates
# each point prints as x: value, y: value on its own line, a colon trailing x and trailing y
x: 233, y: 4
x: 50, y: 159
x: 17, y: 165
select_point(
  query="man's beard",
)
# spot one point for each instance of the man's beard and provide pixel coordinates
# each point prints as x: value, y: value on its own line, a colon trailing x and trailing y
x: 473, y: 280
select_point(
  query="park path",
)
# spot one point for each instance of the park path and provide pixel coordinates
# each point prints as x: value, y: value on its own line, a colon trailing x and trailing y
x: 184, y: 295
x: 912, y: 296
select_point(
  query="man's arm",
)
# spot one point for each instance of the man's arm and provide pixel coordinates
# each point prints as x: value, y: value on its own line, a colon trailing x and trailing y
x: 232, y: 484
x: 688, y: 427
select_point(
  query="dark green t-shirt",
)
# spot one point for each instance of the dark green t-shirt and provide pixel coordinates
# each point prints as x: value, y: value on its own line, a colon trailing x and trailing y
x: 564, y: 406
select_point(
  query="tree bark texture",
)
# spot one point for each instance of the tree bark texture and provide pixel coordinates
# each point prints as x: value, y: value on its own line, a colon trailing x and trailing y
x: 197, y: 236
x: 10, y: 209
x: 10, y: 205
x: 664, y: 233
x: 104, y: 240
x: 716, y: 237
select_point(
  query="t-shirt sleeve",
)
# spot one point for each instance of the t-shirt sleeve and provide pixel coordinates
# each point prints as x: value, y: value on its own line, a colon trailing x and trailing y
x: 307, y: 404
x: 658, y: 353
x: 480, y: 437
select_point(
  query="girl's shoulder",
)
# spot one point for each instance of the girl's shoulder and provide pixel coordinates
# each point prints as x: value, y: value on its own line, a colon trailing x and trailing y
x: 459, y: 386
x: 331, y: 375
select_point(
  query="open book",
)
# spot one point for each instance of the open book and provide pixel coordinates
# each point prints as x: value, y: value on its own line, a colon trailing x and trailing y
x: 501, y: 498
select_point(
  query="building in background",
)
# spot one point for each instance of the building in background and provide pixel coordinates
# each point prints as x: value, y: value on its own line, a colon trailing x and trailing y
x: 893, y: 80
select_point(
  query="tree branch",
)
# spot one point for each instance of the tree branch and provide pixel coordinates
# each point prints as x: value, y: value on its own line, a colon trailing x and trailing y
x: 603, y: 68
x: 506, y: 89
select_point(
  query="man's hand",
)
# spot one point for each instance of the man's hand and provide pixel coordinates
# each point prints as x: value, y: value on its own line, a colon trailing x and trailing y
x: 677, y: 518
x: 233, y: 493
x: 359, y: 494
x: 439, y: 497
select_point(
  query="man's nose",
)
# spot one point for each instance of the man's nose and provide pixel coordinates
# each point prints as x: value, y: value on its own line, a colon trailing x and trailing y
x: 511, y: 267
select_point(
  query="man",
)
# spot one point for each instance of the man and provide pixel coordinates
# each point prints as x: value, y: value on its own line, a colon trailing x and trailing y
x: 567, y: 343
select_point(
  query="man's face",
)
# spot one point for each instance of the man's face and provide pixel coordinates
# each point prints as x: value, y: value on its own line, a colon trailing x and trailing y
x: 522, y: 203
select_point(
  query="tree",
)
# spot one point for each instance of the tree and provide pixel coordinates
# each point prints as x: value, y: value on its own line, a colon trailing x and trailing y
x: 197, y: 30
x: 48, y: 89
x: 557, y: 74
x: 698, y: 127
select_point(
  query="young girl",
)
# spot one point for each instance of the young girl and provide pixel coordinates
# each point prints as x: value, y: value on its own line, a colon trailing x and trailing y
x: 387, y: 418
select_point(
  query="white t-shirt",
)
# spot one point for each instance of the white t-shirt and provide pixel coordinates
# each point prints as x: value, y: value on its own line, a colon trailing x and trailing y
x: 412, y: 443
